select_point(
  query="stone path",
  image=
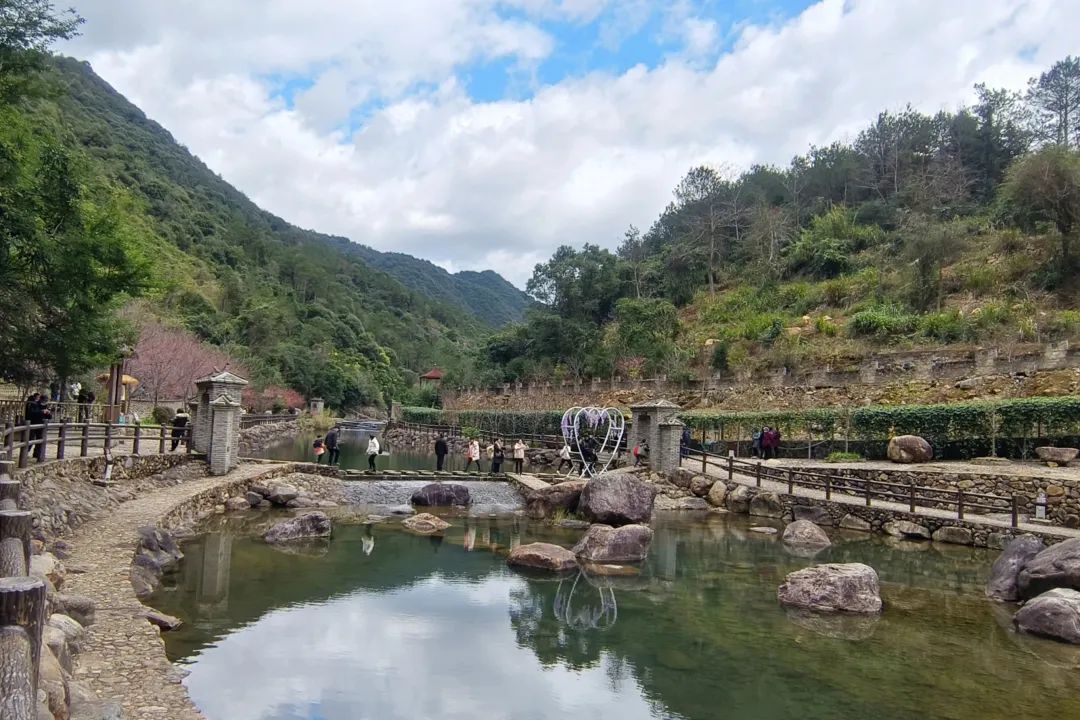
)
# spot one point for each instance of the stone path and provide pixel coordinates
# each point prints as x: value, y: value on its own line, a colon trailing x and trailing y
x: 123, y: 656
x: 840, y: 498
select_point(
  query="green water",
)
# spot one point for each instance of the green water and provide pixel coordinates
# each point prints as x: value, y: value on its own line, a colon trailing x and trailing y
x: 384, y: 625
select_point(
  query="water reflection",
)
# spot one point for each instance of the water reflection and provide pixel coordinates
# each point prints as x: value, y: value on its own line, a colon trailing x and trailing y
x: 599, y: 615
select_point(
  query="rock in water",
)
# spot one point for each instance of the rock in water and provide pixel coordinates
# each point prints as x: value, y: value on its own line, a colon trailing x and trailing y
x: 617, y: 498
x: 803, y: 533
x: 301, y: 527
x: 1004, y: 575
x: 701, y: 485
x: 834, y: 587
x: 1055, y: 567
x: 544, y: 503
x: 281, y: 493
x: 163, y: 621
x: 234, y: 504
x: 717, y: 494
x: 605, y: 544
x: 441, y: 495
x: 1055, y: 614
x: 425, y: 524
x: 907, y: 449
x: 542, y: 556
x: 738, y: 500
x: 159, y: 549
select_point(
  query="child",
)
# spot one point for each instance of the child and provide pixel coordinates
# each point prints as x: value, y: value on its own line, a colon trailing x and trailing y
x: 565, y: 457
x: 320, y: 447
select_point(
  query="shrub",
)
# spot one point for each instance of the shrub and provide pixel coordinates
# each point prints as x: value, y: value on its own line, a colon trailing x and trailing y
x: 162, y: 415
x: 981, y: 280
x: 882, y: 321
x: 839, y: 457
x: 1063, y: 324
x: 949, y: 326
x: 719, y: 359
x: 823, y: 325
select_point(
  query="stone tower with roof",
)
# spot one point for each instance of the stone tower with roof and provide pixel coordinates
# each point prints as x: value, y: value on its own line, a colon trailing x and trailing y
x: 216, y: 425
x: 656, y: 422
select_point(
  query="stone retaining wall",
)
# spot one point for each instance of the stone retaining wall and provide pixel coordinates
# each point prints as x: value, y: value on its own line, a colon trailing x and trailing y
x: 258, y: 437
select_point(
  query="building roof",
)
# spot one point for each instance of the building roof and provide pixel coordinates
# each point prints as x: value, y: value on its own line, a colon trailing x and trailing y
x: 433, y: 374
x: 223, y: 376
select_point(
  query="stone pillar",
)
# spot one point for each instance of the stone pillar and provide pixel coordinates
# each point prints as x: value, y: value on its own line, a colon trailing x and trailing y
x: 655, y: 422
x: 316, y: 406
x: 217, y: 420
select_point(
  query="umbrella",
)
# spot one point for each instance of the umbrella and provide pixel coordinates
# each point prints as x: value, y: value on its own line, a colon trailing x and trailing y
x: 124, y: 379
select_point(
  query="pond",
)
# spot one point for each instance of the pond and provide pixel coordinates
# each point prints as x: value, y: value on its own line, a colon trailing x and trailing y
x: 382, y: 624
x: 353, y: 454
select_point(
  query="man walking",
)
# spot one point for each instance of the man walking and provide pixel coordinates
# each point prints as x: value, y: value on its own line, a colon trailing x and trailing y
x: 440, y: 453
x: 332, y: 449
x: 179, y: 424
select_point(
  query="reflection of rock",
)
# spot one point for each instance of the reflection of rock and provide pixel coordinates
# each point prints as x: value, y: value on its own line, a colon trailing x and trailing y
x: 835, y: 587
x: 1004, y: 575
x: 617, y: 498
x: 905, y: 544
x: 564, y: 496
x: 832, y: 625
x: 675, y: 659
x: 441, y: 495
x: 1056, y: 566
x: 605, y: 544
x: 1055, y: 655
x: 309, y: 525
x: 664, y: 502
x: 764, y: 530
x: 425, y: 524
x: 542, y: 556
x: 805, y: 534
x: 308, y: 547
x: 906, y: 529
x: 907, y: 449
x: 159, y: 549
x: 1055, y: 614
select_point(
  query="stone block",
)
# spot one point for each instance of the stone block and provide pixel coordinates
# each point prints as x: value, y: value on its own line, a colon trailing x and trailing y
x: 954, y: 535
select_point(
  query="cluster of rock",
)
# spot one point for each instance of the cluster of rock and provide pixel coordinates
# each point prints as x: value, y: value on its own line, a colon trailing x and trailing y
x: 279, y: 494
x: 60, y: 696
x: 1046, y: 580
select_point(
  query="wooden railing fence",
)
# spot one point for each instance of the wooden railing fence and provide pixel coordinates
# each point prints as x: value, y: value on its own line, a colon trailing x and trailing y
x: 56, y: 441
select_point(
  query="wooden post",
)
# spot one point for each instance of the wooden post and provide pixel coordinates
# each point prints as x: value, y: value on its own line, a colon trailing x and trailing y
x: 704, y: 468
x: 1015, y: 512
x: 9, y: 493
x: 15, y: 542
x: 161, y: 441
x: 828, y: 487
x: 758, y: 473
x: 43, y: 444
x: 960, y: 504
x: 866, y: 486
x: 60, y: 452
x: 22, y: 619
x: 108, y: 437
x: 84, y: 446
x: 9, y: 440
x: 135, y: 442
x: 730, y: 467
x: 23, y: 460
x: 790, y: 481
x: 911, y: 496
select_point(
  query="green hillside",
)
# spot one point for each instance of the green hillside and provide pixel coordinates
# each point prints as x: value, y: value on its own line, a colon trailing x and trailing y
x: 295, y: 307
x: 487, y: 295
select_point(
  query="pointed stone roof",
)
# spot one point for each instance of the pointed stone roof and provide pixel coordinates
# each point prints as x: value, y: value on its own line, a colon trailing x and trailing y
x: 656, y: 405
x: 223, y: 376
x: 224, y: 400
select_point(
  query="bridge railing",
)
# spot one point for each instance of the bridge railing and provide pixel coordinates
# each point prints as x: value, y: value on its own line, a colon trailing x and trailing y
x: 254, y: 419
x: 56, y: 441
x: 22, y: 606
x: 915, y: 496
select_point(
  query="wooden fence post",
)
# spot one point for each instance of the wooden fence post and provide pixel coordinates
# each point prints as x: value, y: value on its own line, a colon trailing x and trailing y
x: 15, y: 542
x: 704, y: 458
x: 758, y: 473
x: 43, y: 446
x: 960, y: 504
x: 911, y: 496
x: 84, y: 446
x: 136, y: 441
x: 23, y: 460
x: 161, y: 441
x: 730, y: 467
x: 62, y: 441
x: 866, y: 486
x: 9, y: 440
x: 828, y: 487
x: 790, y: 482
x: 108, y: 437
x: 1015, y: 512
x: 22, y: 619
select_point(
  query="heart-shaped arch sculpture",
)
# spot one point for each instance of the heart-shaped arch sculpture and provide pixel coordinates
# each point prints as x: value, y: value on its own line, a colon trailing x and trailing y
x: 591, y: 420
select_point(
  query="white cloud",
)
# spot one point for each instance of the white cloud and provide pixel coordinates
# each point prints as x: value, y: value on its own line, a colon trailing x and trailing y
x: 475, y: 185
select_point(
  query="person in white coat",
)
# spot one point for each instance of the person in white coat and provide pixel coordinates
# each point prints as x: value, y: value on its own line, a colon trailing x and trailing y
x: 372, y: 452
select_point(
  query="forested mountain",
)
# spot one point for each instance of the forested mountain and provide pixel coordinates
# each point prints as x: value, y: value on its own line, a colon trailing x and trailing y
x: 297, y: 308
x: 487, y: 295
x: 956, y: 227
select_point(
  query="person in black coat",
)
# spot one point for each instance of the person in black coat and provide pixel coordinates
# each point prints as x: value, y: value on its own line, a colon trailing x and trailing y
x: 38, y: 413
x: 440, y: 453
x: 179, y: 424
x: 332, y: 449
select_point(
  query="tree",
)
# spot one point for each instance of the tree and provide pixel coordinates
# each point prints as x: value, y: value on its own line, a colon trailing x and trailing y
x: 1045, y: 187
x: 1055, y: 99
x: 635, y: 256
x: 647, y: 329
x: 27, y: 29
x: 578, y: 285
x: 824, y: 249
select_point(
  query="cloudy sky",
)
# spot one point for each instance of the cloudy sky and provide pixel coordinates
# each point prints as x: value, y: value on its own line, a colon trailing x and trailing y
x: 484, y: 133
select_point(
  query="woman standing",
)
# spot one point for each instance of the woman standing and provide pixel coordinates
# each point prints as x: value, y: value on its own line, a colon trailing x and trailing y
x: 497, y: 456
x: 372, y: 452
x: 472, y: 455
x: 519, y: 456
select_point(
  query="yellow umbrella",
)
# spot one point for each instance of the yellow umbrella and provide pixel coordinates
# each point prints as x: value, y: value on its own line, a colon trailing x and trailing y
x: 124, y: 379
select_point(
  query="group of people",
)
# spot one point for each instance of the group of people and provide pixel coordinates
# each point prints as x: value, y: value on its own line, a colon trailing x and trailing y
x: 330, y: 446
x: 37, y: 412
x: 764, y: 442
x: 495, y: 452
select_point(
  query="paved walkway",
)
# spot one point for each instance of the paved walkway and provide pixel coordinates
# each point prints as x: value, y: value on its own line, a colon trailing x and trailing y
x: 841, y: 498
x: 124, y: 657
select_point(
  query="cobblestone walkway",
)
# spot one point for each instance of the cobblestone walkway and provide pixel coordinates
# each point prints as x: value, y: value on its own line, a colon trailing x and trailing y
x: 123, y: 656
x: 854, y: 500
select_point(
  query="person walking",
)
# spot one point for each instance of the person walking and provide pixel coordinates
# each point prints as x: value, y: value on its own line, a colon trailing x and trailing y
x: 179, y: 424
x: 565, y: 457
x: 80, y: 399
x: 372, y: 452
x: 519, y: 456
x: 641, y: 453
x: 497, y: 456
x: 319, y: 446
x: 38, y: 413
x: 472, y: 455
x: 755, y: 442
x: 333, y: 452
x: 441, y: 451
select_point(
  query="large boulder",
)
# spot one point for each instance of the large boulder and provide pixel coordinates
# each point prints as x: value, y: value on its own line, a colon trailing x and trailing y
x: 1055, y: 614
x: 1056, y: 566
x: 281, y: 493
x: 235, y: 504
x: 834, y: 587
x: 542, y: 556
x: 546, y: 502
x: 701, y: 485
x: 441, y: 495
x: 425, y: 524
x: 681, y: 478
x: 805, y: 534
x: 1054, y: 456
x: 907, y: 449
x: 606, y: 544
x: 767, y: 504
x: 159, y: 550
x: 617, y: 498
x: 738, y: 499
x: 144, y: 581
x: 1005, y: 573
x: 48, y: 567
x: 51, y: 679
x: 302, y: 527
x: 717, y: 494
